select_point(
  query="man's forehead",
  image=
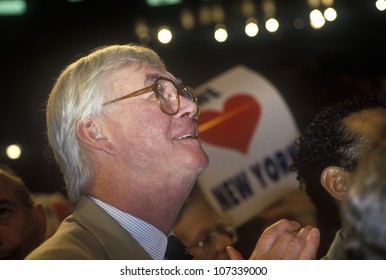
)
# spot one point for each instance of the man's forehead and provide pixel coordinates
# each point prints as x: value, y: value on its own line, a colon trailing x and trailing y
x: 8, y: 196
x: 149, y: 71
x: 141, y: 72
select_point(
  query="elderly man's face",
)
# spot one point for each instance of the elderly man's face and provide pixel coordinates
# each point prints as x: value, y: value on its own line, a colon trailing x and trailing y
x: 154, y: 146
x: 19, y: 230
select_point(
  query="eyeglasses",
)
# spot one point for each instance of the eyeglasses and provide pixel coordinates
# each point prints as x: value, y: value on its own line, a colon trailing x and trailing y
x: 168, y: 95
x: 212, y: 238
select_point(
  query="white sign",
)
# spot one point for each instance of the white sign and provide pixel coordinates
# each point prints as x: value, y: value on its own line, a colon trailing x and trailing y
x: 248, y: 132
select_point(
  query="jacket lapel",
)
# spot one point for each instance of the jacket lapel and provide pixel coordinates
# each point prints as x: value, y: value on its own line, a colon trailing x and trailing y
x: 116, y: 241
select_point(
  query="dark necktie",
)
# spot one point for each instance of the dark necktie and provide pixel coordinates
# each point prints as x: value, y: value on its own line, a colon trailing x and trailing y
x: 175, y: 250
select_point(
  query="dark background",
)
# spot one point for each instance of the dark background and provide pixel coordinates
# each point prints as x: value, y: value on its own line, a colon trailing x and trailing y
x: 311, y: 68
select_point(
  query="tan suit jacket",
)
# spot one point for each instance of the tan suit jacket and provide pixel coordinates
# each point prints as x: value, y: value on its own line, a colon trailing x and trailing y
x: 90, y: 234
x: 336, y: 250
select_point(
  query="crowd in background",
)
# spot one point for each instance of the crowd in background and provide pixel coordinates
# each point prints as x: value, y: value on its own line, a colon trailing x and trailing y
x: 339, y: 162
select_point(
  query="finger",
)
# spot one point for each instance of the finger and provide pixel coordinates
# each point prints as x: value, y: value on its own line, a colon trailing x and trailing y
x: 303, y: 232
x: 296, y: 244
x: 271, y: 235
x: 279, y: 249
x: 233, y: 253
x: 312, y: 243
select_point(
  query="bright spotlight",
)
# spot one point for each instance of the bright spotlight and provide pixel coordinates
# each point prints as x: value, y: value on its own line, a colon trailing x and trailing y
x: 13, y: 151
x: 251, y: 28
x: 381, y: 5
x: 220, y: 33
x: 164, y: 35
x: 272, y: 25
x: 316, y: 19
x: 330, y: 14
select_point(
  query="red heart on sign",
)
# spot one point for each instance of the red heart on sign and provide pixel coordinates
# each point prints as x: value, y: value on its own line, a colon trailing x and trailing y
x: 234, y: 127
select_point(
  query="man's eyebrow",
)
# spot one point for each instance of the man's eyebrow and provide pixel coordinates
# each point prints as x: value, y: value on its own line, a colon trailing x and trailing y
x: 6, y: 202
x: 150, y: 79
x: 178, y: 81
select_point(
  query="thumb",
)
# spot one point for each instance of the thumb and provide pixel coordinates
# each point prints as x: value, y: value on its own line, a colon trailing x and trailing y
x: 233, y: 253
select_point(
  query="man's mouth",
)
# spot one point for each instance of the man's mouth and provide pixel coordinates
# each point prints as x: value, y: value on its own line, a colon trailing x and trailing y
x: 186, y: 136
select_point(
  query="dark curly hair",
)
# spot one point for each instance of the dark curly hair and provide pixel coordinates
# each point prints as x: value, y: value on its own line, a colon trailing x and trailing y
x: 325, y: 142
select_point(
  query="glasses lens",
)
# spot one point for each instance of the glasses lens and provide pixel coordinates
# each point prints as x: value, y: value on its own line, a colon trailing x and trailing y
x: 168, y: 96
x: 217, y: 235
x: 189, y: 93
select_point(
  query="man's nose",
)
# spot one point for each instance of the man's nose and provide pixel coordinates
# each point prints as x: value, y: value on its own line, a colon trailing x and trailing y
x: 187, y: 107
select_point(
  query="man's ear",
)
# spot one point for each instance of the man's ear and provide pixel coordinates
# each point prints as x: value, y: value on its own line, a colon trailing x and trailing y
x: 335, y: 180
x: 90, y: 132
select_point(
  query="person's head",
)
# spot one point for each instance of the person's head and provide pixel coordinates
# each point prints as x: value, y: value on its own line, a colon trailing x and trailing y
x: 330, y: 147
x: 364, y: 208
x: 22, y: 223
x: 203, y: 232
x: 114, y: 140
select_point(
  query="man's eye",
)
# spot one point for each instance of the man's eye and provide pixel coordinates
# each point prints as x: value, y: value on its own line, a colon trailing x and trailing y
x: 4, y: 212
x: 163, y: 87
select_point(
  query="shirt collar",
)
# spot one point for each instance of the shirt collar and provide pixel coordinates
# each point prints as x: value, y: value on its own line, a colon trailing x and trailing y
x: 148, y: 236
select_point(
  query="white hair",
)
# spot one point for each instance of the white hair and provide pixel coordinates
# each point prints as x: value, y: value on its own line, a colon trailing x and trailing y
x: 78, y: 93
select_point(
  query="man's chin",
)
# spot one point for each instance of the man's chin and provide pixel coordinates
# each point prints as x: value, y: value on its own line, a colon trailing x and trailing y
x: 204, y: 160
x: 198, y: 160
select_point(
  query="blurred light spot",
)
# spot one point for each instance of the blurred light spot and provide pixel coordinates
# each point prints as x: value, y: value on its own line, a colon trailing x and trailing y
x: 204, y: 15
x: 142, y: 32
x: 299, y: 23
x: 12, y: 7
x: 330, y: 14
x: 328, y: 3
x: 13, y: 151
x: 157, y: 3
x: 248, y: 8
x: 218, y: 14
x: 316, y: 19
x: 164, y: 35
x: 187, y: 19
x: 313, y: 3
x: 251, y: 28
x: 220, y: 33
x: 144, y: 38
x: 272, y: 25
x: 269, y: 8
x: 381, y: 5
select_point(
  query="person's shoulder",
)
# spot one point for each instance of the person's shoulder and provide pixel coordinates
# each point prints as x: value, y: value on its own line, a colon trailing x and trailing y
x: 336, y: 250
x: 70, y: 242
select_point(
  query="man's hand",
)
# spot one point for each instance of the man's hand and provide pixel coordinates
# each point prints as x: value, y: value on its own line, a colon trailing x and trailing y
x: 284, y: 240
